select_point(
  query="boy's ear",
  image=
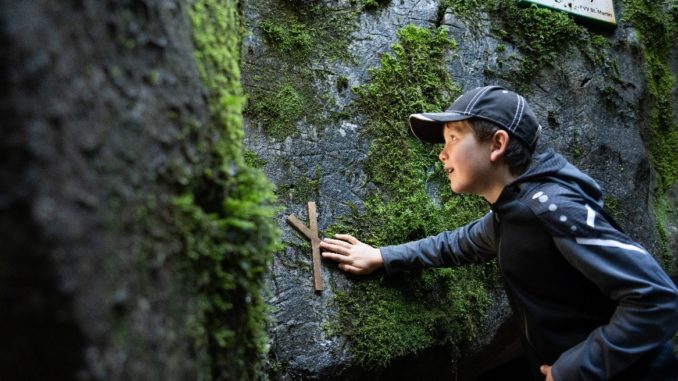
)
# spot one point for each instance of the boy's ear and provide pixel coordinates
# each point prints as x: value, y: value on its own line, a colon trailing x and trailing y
x: 498, y: 145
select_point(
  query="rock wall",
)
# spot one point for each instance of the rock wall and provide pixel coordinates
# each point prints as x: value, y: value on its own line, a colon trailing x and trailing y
x: 87, y: 91
x: 133, y: 233
x: 589, y: 88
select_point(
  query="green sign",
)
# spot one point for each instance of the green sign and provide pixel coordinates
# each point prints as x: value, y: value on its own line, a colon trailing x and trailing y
x: 600, y: 11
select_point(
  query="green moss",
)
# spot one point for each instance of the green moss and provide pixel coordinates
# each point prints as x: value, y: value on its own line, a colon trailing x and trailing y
x: 225, y: 214
x: 536, y: 30
x: 666, y: 212
x: 342, y: 83
x: 613, y: 208
x: 153, y: 78
x: 278, y: 111
x: 552, y: 119
x: 407, y: 217
x: 396, y: 316
x: 374, y: 4
x: 466, y: 10
x: 384, y: 318
x: 254, y: 160
x: 597, y: 48
x: 540, y: 34
x: 283, y: 93
x: 413, y: 68
x: 657, y: 29
x: 577, y: 151
x: 293, y: 38
x: 663, y: 151
x: 303, y: 32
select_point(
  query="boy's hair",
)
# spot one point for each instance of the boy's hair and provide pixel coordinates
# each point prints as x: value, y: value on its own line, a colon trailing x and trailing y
x: 518, y: 157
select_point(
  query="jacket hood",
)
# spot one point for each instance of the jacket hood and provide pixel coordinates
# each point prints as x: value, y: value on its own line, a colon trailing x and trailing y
x: 553, y: 167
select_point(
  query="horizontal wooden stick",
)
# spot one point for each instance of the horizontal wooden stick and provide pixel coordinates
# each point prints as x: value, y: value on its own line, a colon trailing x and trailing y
x: 297, y: 224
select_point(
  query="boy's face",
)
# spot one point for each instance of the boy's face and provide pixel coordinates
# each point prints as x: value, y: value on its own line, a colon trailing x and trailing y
x: 465, y: 160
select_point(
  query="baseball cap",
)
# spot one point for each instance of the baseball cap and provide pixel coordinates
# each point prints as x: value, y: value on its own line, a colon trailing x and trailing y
x: 496, y: 104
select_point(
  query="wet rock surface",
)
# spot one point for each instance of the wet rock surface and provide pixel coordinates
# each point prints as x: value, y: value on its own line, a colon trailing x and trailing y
x: 599, y: 133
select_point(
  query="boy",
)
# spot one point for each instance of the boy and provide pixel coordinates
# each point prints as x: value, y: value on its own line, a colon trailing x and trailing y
x: 591, y: 303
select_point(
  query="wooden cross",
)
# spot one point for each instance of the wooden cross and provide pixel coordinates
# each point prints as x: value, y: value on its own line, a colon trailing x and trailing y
x: 311, y: 233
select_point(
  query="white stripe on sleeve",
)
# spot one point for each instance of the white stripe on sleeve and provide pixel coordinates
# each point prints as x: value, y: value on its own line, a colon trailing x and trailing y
x: 590, y: 216
x: 609, y: 243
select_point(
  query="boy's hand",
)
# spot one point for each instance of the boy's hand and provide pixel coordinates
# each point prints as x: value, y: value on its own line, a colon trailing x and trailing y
x: 353, y: 256
x: 546, y: 371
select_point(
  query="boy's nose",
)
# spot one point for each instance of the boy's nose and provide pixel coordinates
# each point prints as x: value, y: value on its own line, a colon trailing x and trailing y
x: 442, y: 156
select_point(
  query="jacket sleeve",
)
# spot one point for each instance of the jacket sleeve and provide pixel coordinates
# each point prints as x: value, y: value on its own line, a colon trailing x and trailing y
x: 647, y: 312
x: 472, y: 243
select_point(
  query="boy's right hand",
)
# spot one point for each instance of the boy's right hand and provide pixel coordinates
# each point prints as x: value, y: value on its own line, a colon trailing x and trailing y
x: 353, y: 256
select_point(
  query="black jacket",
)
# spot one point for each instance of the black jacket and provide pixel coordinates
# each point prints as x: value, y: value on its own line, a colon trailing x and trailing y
x: 589, y: 299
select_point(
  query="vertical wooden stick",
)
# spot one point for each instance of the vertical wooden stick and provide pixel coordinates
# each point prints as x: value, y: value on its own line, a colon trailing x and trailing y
x: 315, y: 246
x: 312, y: 234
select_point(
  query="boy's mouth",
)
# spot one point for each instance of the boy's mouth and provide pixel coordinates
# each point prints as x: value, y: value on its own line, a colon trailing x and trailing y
x: 448, y: 170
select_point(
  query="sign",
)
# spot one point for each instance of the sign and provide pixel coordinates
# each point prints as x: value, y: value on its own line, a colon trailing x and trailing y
x: 311, y: 233
x: 601, y: 11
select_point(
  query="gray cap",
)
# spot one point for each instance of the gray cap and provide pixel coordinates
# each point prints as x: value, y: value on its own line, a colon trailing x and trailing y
x: 502, y: 107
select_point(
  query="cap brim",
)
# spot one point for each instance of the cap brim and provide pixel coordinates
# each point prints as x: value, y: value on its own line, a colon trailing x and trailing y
x: 428, y: 126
